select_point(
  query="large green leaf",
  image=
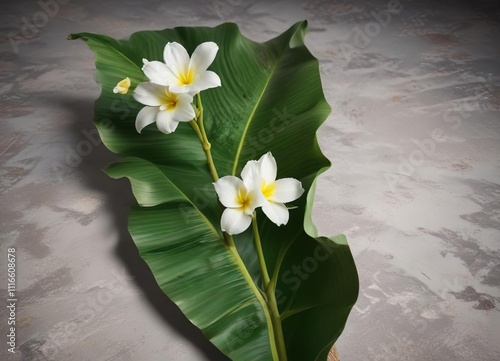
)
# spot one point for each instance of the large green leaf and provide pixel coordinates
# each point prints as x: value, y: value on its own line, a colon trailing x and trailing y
x: 271, y: 99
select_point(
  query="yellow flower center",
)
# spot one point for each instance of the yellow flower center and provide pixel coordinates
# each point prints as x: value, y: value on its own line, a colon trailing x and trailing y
x: 268, y: 189
x: 186, y: 77
x: 244, y: 199
x: 169, y: 101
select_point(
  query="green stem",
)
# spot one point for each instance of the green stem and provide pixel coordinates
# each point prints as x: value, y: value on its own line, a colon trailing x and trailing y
x: 271, y: 311
x: 197, y: 130
x: 265, y: 307
x: 260, y: 253
x: 200, y: 131
x: 272, y: 304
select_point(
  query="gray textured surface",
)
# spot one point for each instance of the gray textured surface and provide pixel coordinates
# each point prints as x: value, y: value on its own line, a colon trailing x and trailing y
x: 423, y: 226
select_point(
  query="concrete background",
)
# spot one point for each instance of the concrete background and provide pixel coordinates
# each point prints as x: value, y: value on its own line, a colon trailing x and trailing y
x: 414, y: 138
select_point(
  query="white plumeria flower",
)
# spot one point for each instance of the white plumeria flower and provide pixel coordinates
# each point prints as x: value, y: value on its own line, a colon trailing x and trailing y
x: 164, y: 107
x: 276, y: 192
x: 182, y: 74
x: 122, y: 86
x: 240, y: 200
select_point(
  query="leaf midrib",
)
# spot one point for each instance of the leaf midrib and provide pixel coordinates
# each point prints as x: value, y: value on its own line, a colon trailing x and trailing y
x: 250, y: 118
x: 252, y: 114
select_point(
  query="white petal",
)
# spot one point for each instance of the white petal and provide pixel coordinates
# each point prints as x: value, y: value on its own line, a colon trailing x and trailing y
x: 181, y: 88
x: 184, y: 111
x: 228, y: 189
x: 207, y: 80
x: 203, y: 56
x: 234, y: 221
x: 158, y: 73
x: 146, y: 116
x: 250, y: 175
x: 149, y: 94
x: 257, y: 200
x: 268, y: 167
x: 176, y: 57
x: 165, y: 122
x: 276, y: 212
x: 287, y: 190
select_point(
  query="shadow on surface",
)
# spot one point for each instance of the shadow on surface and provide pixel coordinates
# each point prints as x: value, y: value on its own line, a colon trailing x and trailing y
x: 118, y: 200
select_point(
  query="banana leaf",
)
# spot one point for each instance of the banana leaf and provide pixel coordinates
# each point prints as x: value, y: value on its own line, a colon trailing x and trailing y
x: 271, y: 99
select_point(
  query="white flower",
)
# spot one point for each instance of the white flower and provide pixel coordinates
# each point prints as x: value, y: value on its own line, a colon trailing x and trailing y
x: 165, y: 108
x: 276, y: 192
x: 259, y: 188
x: 122, y: 86
x: 240, y: 200
x: 182, y: 74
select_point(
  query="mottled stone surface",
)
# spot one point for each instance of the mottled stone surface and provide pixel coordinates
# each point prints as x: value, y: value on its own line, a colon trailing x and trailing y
x: 414, y: 138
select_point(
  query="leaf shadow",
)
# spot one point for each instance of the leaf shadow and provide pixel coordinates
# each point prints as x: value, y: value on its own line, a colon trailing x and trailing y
x: 118, y: 199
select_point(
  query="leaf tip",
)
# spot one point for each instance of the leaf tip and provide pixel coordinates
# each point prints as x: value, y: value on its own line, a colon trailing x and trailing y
x: 299, y: 33
x: 73, y: 36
